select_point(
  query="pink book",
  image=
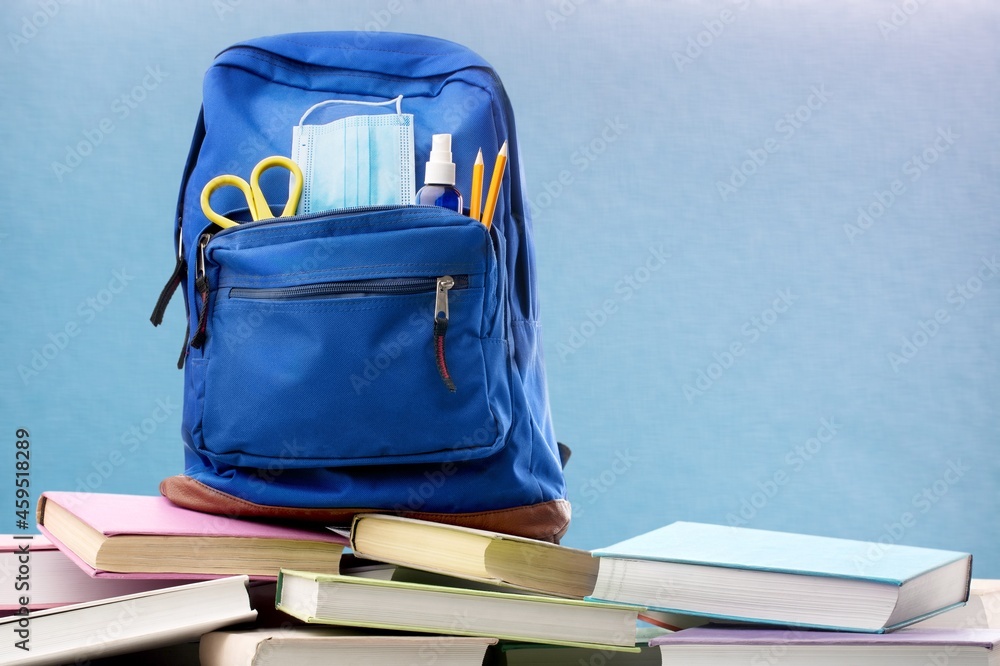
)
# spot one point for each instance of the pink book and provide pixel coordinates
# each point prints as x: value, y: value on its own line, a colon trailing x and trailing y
x: 144, y: 536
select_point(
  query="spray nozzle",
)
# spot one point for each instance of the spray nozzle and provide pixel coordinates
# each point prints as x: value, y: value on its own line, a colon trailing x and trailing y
x: 440, y: 168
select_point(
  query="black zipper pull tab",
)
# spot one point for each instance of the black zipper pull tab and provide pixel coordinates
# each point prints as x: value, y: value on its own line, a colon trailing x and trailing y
x: 180, y: 268
x: 201, y: 285
x: 184, y: 348
x: 441, y: 328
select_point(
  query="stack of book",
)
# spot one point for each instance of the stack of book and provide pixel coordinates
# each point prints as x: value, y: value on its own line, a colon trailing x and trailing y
x: 769, y: 597
x: 116, y: 574
x: 133, y: 573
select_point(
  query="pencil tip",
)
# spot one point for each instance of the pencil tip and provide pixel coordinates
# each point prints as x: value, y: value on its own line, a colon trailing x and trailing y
x: 479, y: 156
x: 503, y: 149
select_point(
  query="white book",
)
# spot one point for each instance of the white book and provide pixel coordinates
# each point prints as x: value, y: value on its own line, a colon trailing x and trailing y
x: 321, y: 646
x: 54, y: 580
x: 106, y: 627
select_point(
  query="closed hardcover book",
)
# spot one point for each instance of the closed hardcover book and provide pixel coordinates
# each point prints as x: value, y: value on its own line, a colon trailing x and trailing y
x: 383, y: 604
x: 140, y: 536
x: 477, y: 555
x: 982, y: 611
x: 533, y: 654
x: 323, y: 646
x: 83, y: 632
x: 514, y: 653
x: 749, y: 575
x: 53, y: 578
x: 725, y: 646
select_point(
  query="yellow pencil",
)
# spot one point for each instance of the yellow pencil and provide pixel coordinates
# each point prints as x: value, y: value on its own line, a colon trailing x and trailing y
x: 494, y: 193
x: 476, y: 198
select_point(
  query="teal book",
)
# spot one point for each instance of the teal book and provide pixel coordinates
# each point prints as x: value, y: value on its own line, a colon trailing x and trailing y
x: 761, y: 576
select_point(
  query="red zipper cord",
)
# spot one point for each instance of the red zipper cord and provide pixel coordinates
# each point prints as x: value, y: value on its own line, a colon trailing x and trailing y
x: 440, y: 328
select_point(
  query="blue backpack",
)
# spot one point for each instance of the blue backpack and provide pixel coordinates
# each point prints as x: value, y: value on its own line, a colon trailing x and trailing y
x: 314, y: 384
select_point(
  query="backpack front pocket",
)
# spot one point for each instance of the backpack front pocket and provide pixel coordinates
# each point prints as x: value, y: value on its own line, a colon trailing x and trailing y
x: 326, y: 363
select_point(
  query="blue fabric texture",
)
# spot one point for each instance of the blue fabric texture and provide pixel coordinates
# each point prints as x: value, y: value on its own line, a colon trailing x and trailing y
x: 317, y: 382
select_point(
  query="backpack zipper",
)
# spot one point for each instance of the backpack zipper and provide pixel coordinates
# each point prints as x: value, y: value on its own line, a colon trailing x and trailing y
x: 348, y: 288
x: 444, y: 284
x: 201, y: 278
x: 202, y: 287
x: 440, y: 286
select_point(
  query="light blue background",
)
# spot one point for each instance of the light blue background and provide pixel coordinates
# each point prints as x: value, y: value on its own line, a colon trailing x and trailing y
x: 630, y: 115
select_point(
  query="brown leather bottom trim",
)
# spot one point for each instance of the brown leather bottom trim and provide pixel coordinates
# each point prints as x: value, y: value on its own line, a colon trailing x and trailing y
x: 547, y: 521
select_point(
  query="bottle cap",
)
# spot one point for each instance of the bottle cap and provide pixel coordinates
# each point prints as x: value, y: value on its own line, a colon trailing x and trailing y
x: 440, y: 169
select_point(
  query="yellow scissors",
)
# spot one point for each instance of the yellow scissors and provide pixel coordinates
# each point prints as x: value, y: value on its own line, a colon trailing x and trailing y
x: 259, y: 208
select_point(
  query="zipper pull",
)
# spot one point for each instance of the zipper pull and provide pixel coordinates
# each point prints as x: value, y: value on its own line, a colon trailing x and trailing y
x: 180, y: 268
x: 201, y: 285
x: 444, y: 284
x: 184, y: 348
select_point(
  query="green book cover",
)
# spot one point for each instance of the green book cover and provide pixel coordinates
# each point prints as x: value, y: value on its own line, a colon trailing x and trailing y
x: 385, y: 604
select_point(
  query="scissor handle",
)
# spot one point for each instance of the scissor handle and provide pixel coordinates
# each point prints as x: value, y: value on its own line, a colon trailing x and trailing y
x: 294, y: 194
x: 222, y: 181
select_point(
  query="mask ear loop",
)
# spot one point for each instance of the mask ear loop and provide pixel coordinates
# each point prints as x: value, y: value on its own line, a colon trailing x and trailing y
x: 398, y: 101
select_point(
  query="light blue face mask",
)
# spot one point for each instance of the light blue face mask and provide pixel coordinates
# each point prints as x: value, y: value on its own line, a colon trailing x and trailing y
x: 355, y: 161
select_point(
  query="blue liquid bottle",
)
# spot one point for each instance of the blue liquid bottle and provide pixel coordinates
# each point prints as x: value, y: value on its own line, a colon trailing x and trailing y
x: 439, y: 177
